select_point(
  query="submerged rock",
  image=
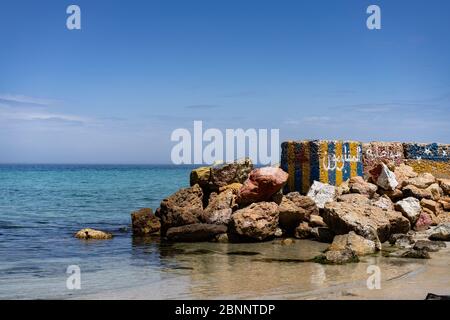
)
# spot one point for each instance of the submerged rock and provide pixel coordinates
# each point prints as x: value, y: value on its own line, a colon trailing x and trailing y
x: 322, y: 193
x: 261, y: 185
x: 401, y: 240
x: 195, y: 232
x: 183, y: 207
x: 89, y: 233
x: 337, y: 257
x: 258, y: 221
x: 354, y: 242
x: 144, y: 222
x: 430, y: 246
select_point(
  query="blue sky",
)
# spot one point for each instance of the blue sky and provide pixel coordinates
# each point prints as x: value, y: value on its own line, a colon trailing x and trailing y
x: 114, y: 91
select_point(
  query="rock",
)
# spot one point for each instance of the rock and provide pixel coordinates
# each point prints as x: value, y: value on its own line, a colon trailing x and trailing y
x: 258, y: 221
x: 195, y: 232
x: 213, y: 178
x: 287, y: 241
x: 434, y: 206
x: 410, y: 207
x: 436, y: 191
x: 322, y: 193
x: 234, y: 187
x: 416, y: 254
x: 144, y: 222
x: 401, y: 240
x: 343, y: 188
x: 359, y: 185
x: 430, y: 246
x: 337, y: 257
x: 423, y: 223
x: 441, y: 232
x: 322, y: 234
x: 445, y: 202
x: 278, y: 232
x: 316, y: 221
x: 366, y: 220
x: 445, y: 185
x: 384, y: 203
x: 290, y: 215
x: 394, y: 195
x: 383, y: 177
x: 220, y: 207
x: 355, y: 198
x: 304, y: 202
x: 413, y: 191
x: 183, y: 207
x: 222, y: 238
x: 277, y: 197
x: 261, y: 185
x: 404, y: 172
x: 422, y: 181
x: 89, y: 233
x: 354, y: 242
x: 303, y: 231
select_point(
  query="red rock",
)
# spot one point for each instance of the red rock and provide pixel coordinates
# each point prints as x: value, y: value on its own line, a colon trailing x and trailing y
x: 423, y: 223
x: 261, y: 185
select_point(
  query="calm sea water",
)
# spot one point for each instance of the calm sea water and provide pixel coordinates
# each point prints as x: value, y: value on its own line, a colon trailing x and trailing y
x: 42, y: 206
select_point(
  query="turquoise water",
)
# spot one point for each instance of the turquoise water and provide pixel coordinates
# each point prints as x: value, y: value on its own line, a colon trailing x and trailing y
x: 42, y: 206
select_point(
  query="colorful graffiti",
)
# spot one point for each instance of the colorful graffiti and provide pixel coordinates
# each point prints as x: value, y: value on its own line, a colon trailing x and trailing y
x: 376, y: 152
x: 326, y: 161
x: 423, y: 151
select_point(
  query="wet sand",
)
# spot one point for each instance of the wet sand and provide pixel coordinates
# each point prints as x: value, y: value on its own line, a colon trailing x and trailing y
x: 276, y: 271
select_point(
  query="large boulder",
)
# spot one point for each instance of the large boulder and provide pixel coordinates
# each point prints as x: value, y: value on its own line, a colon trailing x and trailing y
x: 355, y: 198
x: 360, y: 245
x: 220, y: 207
x: 383, y: 177
x: 88, y: 233
x: 368, y: 221
x: 441, y: 232
x: 359, y: 185
x: 295, y: 208
x: 322, y: 193
x: 212, y: 178
x: 422, y: 181
x: 258, y: 221
x: 183, y: 207
x: 144, y: 222
x: 410, y: 207
x: 261, y: 185
x: 195, y: 232
x: 445, y: 185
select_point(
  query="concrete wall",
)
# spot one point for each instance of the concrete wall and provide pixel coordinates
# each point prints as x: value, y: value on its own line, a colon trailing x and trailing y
x: 433, y: 158
x: 376, y: 152
x: 326, y: 161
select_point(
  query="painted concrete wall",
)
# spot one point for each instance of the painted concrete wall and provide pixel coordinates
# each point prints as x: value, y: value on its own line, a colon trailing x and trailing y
x: 376, y: 152
x: 326, y: 161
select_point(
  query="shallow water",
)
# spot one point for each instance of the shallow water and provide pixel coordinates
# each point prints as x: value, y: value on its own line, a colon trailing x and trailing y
x: 41, y: 207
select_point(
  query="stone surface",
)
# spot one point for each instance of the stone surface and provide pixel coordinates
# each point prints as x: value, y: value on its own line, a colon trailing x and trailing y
x: 303, y: 231
x: 355, y: 198
x: 181, y: 208
x: 366, y: 220
x: 436, y: 191
x: 195, y: 232
x: 410, y: 207
x: 424, y: 222
x: 326, y: 161
x: 416, y: 254
x: 441, y: 232
x: 404, y: 172
x: 261, y: 185
x: 234, y: 187
x: 430, y: 246
x: 354, y: 242
x: 220, y: 207
x: 337, y: 257
x: 413, y: 191
x: 359, y: 185
x: 258, y: 221
x: 304, y: 202
x: 432, y: 205
x: 422, y: 181
x: 394, y: 195
x: 316, y: 221
x: 383, y: 177
x: 401, y: 240
x: 439, y: 169
x: 322, y: 193
x: 214, y: 177
x: 445, y: 185
x: 89, y: 233
x: 384, y: 202
x: 144, y: 222
x: 290, y: 215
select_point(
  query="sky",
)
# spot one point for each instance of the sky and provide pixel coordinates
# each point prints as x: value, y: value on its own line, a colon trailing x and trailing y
x: 114, y: 91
